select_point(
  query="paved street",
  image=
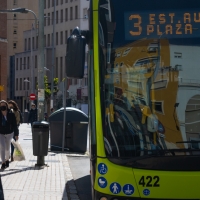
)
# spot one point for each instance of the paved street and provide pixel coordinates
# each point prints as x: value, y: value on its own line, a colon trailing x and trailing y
x: 22, y: 180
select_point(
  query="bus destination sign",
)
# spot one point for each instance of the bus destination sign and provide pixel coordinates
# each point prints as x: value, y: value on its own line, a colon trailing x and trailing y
x: 155, y: 24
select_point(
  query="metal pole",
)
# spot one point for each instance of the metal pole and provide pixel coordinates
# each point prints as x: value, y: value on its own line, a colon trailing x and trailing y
x: 41, y: 62
x: 31, y: 59
x: 53, y: 54
x: 64, y: 115
x: 40, y: 159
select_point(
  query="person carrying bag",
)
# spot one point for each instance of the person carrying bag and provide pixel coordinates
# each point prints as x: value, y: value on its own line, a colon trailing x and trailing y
x: 15, y: 109
x: 8, y: 129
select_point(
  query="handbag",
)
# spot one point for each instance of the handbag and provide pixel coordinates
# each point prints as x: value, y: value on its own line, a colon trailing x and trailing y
x: 18, y: 154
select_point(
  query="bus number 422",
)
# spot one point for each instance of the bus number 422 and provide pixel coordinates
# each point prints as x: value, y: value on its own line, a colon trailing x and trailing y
x: 150, y: 181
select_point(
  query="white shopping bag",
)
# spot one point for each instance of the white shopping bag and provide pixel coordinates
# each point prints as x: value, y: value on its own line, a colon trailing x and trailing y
x: 18, y: 154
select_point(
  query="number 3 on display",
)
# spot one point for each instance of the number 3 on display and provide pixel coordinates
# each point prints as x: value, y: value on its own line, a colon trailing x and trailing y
x: 150, y: 181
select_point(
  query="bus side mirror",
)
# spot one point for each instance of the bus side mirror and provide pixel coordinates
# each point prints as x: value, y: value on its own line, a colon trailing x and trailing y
x: 75, y: 56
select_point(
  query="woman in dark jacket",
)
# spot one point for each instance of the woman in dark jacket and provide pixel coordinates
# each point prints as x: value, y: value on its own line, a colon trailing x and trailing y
x: 8, y: 129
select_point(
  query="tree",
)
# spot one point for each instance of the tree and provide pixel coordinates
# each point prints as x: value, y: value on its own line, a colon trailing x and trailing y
x: 47, y: 88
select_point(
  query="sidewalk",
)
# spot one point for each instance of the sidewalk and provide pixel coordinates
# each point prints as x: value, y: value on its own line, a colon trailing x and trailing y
x: 22, y: 180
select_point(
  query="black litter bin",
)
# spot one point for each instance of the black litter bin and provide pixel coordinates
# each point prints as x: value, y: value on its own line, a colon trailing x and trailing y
x: 40, y: 132
x: 76, y: 129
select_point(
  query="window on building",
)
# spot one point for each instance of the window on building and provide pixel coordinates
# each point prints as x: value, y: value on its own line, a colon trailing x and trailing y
x: 86, y: 81
x: 44, y: 40
x: 66, y: 1
x: 177, y: 55
x: 33, y: 43
x: 48, y: 40
x: 20, y: 84
x: 52, y: 3
x: 25, y: 44
x: 66, y: 36
x: 24, y: 84
x: 14, y: 45
x: 57, y: 67
x: 52, y: 17
x: 36, y: 62
x: 71, y: 13
x: 37, y: 42
x: 45, y: 20
x: 14, y: 2
x: 61, y: 68
x: 56, y: 17
x: 70, y: 31
x: 20, y: 64
x: 61, y: 16
x: 48, y: 3
x: 75, y: 81
x: 16, y: 83
x: 44, y: 4
x: 61, y: 2
x: 15, y: 31
x: 14, y: 16
x: 28, y: 62
x: 29, y: 43
x: 49, y: 19
x: 35, y: 83
x: 17, y: 64
x: 24, y: 64
x: 66, y: 14
x: 85, y: 13
x: 57, y: 2
x: 76, y: 12
x: 61, y: 37
x: 56, y: 38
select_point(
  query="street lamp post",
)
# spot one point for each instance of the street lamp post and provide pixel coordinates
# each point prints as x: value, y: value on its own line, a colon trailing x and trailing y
x: 53, y: 54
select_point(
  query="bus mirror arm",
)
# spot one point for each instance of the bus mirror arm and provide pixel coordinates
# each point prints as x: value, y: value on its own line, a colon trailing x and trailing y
x: 86, y: 34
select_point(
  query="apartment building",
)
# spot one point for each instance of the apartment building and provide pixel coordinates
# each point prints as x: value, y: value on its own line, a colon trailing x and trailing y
x: 68, y: 15
x: 3, y: 53
x: 17, y: 23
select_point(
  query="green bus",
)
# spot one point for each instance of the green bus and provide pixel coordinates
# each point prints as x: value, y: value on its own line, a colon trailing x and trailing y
x: 144, y: 97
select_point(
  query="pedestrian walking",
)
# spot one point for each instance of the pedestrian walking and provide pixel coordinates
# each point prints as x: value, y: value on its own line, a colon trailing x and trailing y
x: 15, y: 109
x: 8, y: 129
x: 32, y: 114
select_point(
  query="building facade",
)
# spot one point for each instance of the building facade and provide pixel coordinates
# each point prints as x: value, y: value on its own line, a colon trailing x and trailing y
x: 3, y: 52
x: 17, y: 23
x: 68, y: 15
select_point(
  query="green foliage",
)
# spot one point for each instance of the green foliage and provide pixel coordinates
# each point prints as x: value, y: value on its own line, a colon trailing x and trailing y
x: 48, y: 89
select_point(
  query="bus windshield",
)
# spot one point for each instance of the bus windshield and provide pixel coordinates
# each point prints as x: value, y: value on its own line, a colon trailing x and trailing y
x: 150, y: 77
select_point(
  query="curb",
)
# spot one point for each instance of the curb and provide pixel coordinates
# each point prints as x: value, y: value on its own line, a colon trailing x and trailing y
x: 70, y: 183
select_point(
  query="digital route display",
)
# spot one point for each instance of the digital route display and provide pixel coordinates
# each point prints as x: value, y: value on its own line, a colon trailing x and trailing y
x: 155, y: 24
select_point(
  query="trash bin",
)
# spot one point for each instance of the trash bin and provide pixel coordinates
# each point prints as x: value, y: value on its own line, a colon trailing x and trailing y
x: 40, y: 132
x: 76, y: 129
